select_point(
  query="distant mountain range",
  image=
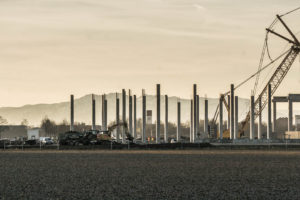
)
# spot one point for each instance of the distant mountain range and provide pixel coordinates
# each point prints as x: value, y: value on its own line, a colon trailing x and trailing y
x: 83, y: 110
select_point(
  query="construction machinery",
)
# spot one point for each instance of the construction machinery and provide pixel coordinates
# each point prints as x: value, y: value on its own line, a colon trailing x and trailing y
x: 261, y: 101
x: 93, y: 136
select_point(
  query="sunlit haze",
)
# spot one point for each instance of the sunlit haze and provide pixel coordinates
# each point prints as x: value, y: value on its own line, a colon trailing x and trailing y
x: 52, y: 48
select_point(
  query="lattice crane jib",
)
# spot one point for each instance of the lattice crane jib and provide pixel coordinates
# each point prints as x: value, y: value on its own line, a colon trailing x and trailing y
x: 278, y: 75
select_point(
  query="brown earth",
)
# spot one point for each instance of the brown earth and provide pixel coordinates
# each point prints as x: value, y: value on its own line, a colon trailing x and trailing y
x: 149, y: 174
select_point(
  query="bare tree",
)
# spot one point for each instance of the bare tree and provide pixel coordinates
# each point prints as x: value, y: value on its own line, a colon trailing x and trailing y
x: 24, y: 122
x: 3, y: 122
x: 49, y: 126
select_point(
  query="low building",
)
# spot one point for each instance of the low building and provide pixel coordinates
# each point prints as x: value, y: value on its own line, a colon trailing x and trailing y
x: 13, y: 131
x: 292, y: 135
x: 33, y: 133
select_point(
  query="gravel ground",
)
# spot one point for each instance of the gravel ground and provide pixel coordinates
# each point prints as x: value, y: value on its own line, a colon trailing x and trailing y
x: 150, y: 175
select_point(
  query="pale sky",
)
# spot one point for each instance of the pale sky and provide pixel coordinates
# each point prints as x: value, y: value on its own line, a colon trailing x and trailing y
x: 52, y: 48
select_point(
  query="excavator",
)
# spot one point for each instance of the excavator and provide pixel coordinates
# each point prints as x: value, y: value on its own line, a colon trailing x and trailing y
x: 75, y: 138
x: 277, y: 77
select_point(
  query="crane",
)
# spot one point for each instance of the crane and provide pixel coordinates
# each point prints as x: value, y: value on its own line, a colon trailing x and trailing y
x: 275, y: 80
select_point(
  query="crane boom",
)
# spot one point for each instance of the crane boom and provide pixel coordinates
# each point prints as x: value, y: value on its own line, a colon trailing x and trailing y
x: 274, y: 81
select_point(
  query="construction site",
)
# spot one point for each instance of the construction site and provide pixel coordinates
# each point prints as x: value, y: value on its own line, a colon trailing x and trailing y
x: 224, y: 127
x: 159, y: 146
x: 214, y: 130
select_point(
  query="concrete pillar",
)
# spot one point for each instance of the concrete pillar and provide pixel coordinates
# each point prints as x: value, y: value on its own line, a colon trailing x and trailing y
x: 105, y: 115
x: 118, y: 117
x: 72, y: 113
x: 123, y: 114
x: 93, y: 113
x: 236, y: 117
x: 252, y: 125
x: 157, y: 113
x: 231, y: 111
x: 191, y: 123
x: 166, y: 119
x: 134, y: 117
x: 198, y: 118
x: 228, y: 116
x: 290, y: 117
x: 178, y: 135
x: 143, y: 116
x: 130, y: 112
x: 102, y: 111
x: 274, y: 116
x: 221, y: 118
x: 195, y: 111
x: 206, y: 116
x: 259, y: 131
x: 269, y: 125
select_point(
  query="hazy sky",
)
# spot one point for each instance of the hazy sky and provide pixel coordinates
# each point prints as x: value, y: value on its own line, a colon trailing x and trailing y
x: 52, y: 48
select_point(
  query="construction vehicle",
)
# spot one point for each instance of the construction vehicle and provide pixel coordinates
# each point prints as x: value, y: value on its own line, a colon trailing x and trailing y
x: 275, y: 80
x: 99, y: 137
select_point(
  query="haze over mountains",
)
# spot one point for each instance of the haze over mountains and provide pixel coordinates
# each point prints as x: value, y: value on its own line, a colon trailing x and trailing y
x: 83, y: 109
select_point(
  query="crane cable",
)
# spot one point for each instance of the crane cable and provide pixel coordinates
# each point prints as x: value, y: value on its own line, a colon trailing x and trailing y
x: 265, y: 47
x: 290, y: 12
x: 250, y: 77
x: 261, y: 61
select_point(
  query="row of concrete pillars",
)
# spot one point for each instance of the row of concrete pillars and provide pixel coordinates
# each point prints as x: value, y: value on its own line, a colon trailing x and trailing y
x: 195, y: 120
x: 104, y: 112
x: 132, y: 117
x: 234, y: 113
x: 232, y: 121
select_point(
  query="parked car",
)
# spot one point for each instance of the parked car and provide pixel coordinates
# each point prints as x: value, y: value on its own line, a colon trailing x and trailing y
x: 173, y: 141
x: 46, y: 140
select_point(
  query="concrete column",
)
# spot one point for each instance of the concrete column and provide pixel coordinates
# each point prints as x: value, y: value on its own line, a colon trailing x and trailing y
x: 123, y: 114
x: 231, y: 111
x: 252, y: 125
x: 228, y: 116
x: 102, y: 111
x: 269, y: 125
x: 93, y: 113
x: 134, y: 117
x: 130, y: 112
x: 259, y: 131
x: 191, y: 123
x: 195, y: 111
x: 143, y: 116
x: 290, y: 118
x: 274, y: 116
x: 118, y: 117
x: 206, y: 116
x: 105, y: 114
x: 221, y: 118
x: 72, y: 113
x: 178, y: 135
x: 157, y: 113
x: 198, y: 118
x: 236, y: 117
x: 166, y: 119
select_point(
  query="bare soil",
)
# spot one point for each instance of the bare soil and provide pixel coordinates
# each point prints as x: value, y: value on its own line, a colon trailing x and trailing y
x: 149, y: 174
